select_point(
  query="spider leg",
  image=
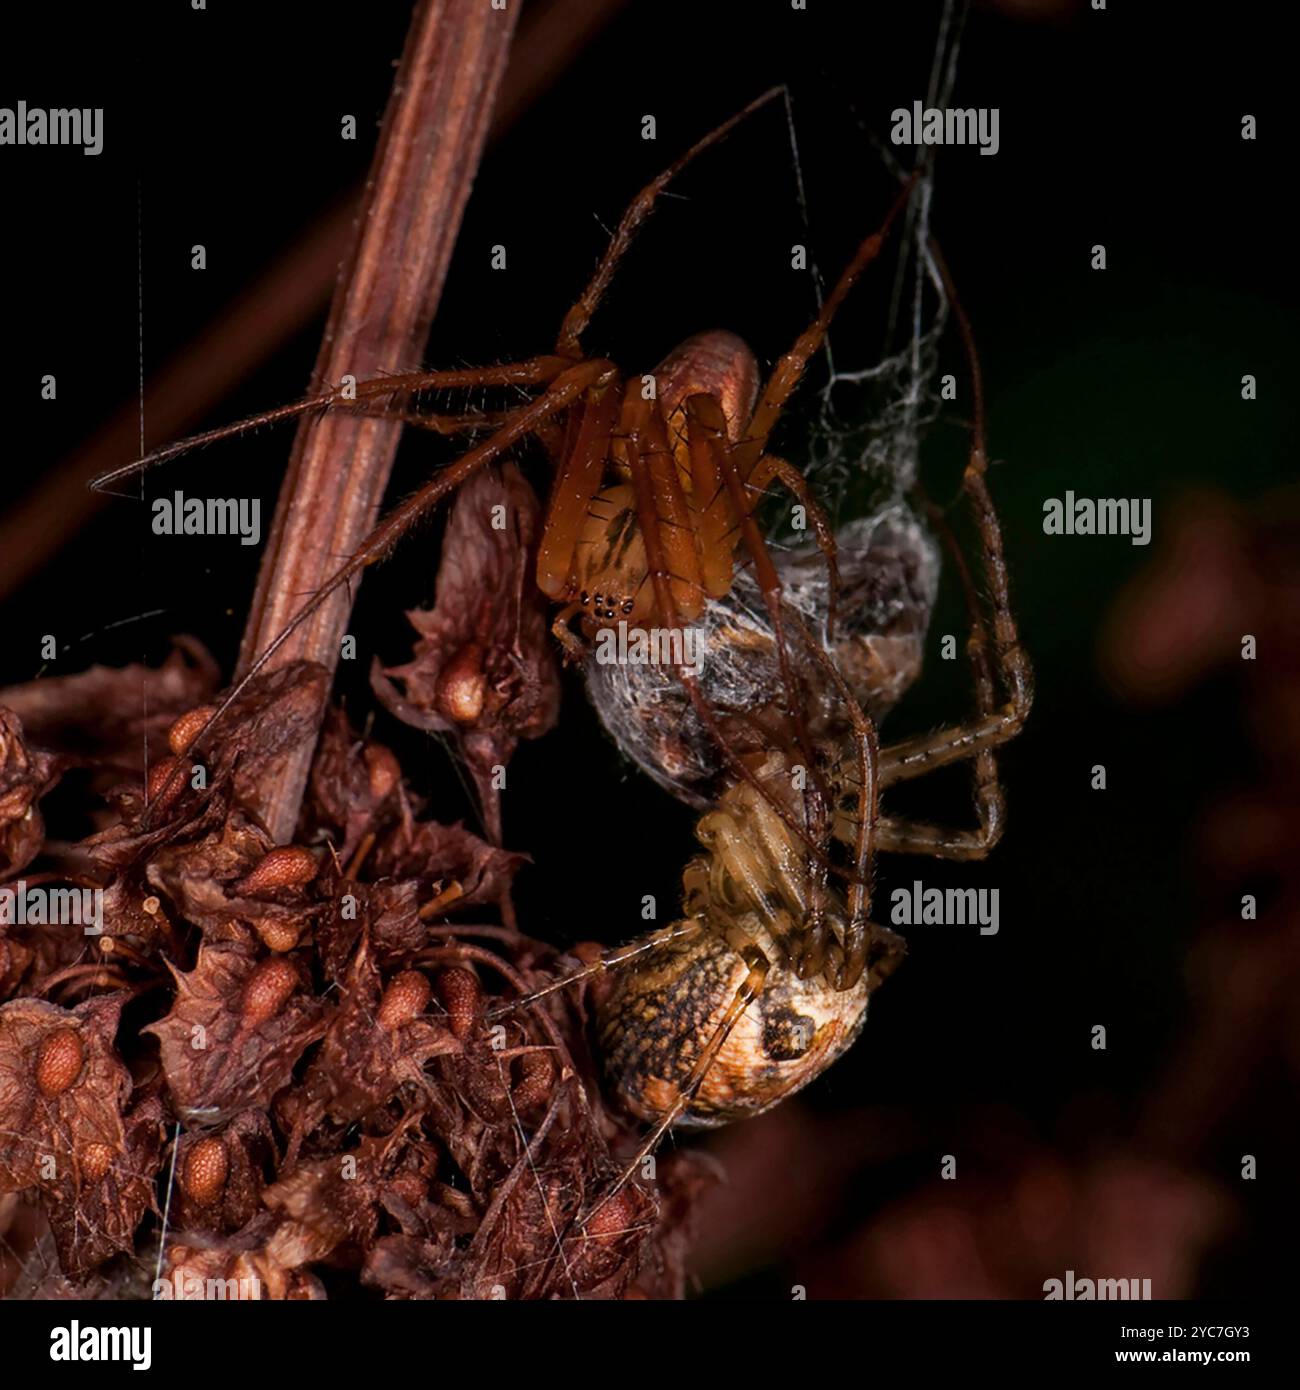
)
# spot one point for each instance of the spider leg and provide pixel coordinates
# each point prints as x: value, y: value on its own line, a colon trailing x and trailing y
x: 790, y: 369
x: 574, y: 647
x: 769, y: 583
x: 849, y: 961
x: 676, y: 525
x: 609, y: 960
x: 572, y: 383
x: 578, y: 480
x: 579, y: 316
x: 629, y: 445
x: 769, y: 467
x: 1008, y: 662
x: 1013, y: 663
x: 535, y: 371
x: 443, y: 424
x: 900, y: 836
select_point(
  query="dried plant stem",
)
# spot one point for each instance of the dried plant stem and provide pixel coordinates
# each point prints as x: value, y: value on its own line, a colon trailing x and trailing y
x: 429, y: 150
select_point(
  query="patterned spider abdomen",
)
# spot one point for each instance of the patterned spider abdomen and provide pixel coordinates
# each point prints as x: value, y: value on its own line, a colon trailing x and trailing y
x: 656, y: 1018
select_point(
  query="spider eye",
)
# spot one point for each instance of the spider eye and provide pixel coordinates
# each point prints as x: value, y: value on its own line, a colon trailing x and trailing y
x: 627, y: 605
x: 585, y: 596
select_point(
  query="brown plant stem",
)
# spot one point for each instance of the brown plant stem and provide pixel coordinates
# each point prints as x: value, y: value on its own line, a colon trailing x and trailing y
x: 429, y: 150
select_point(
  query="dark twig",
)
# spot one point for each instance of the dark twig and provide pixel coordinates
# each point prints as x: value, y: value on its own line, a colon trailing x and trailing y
x: 429, y: 150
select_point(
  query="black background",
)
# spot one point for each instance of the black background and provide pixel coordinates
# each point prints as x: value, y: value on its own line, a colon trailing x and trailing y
x: 1121, y: 127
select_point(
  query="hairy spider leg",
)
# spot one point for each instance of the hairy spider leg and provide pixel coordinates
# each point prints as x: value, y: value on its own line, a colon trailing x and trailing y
x: 993, y: 725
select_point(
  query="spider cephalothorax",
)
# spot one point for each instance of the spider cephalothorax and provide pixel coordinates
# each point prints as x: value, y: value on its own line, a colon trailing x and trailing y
x: 644, y: 455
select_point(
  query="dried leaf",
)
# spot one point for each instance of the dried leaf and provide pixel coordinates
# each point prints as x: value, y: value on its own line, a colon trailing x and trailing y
x: 451, y: 861
x: 368, y: 1052
x: 227, y: 1045
x: 25, y: 776
x: 111, y: 713
x: 62, y: 1093
x: 484, y: 667
x: 95, y: 1215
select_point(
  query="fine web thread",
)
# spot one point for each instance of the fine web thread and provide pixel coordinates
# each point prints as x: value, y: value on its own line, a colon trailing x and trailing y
x: 863, y: 448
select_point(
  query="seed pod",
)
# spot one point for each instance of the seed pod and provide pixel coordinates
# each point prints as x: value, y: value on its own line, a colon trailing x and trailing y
x: 538, y: 1076
x: 96, y: 1160
x: 276, y: 935
x: 611, y: 1220
x: 267, y: 989
x: 207, y: 1165
x: 383, y: 768
x: 462, y: 686
x: 160, y: 779
x: 183, y: 732
x: 460, y: 994
x: 289, y: 866
x: 59, y: 1061
x: 404, y: 998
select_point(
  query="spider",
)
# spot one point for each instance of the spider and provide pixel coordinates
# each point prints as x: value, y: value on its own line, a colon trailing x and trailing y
x: 655, y: 489
x: 654, y: 494
x: 765, y: 981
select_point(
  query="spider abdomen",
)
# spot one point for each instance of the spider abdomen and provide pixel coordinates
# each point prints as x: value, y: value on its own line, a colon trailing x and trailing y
x: 659, y: 1014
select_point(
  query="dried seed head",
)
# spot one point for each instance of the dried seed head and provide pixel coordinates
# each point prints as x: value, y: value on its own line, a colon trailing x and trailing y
x: 276, y: 935
x: 404, y: 998
x: 186, y: 728
x: 207, y: 1165
x: 160, y: 779
x: 460, y: 995
x: 383, y: 768
x: 462, y: 686
x: 289, y: 866
x: 267, y: 989
x: 611, y: 1220
x: 59, y: 1061
x: 96, y: 1160
x: 538, y: 1077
